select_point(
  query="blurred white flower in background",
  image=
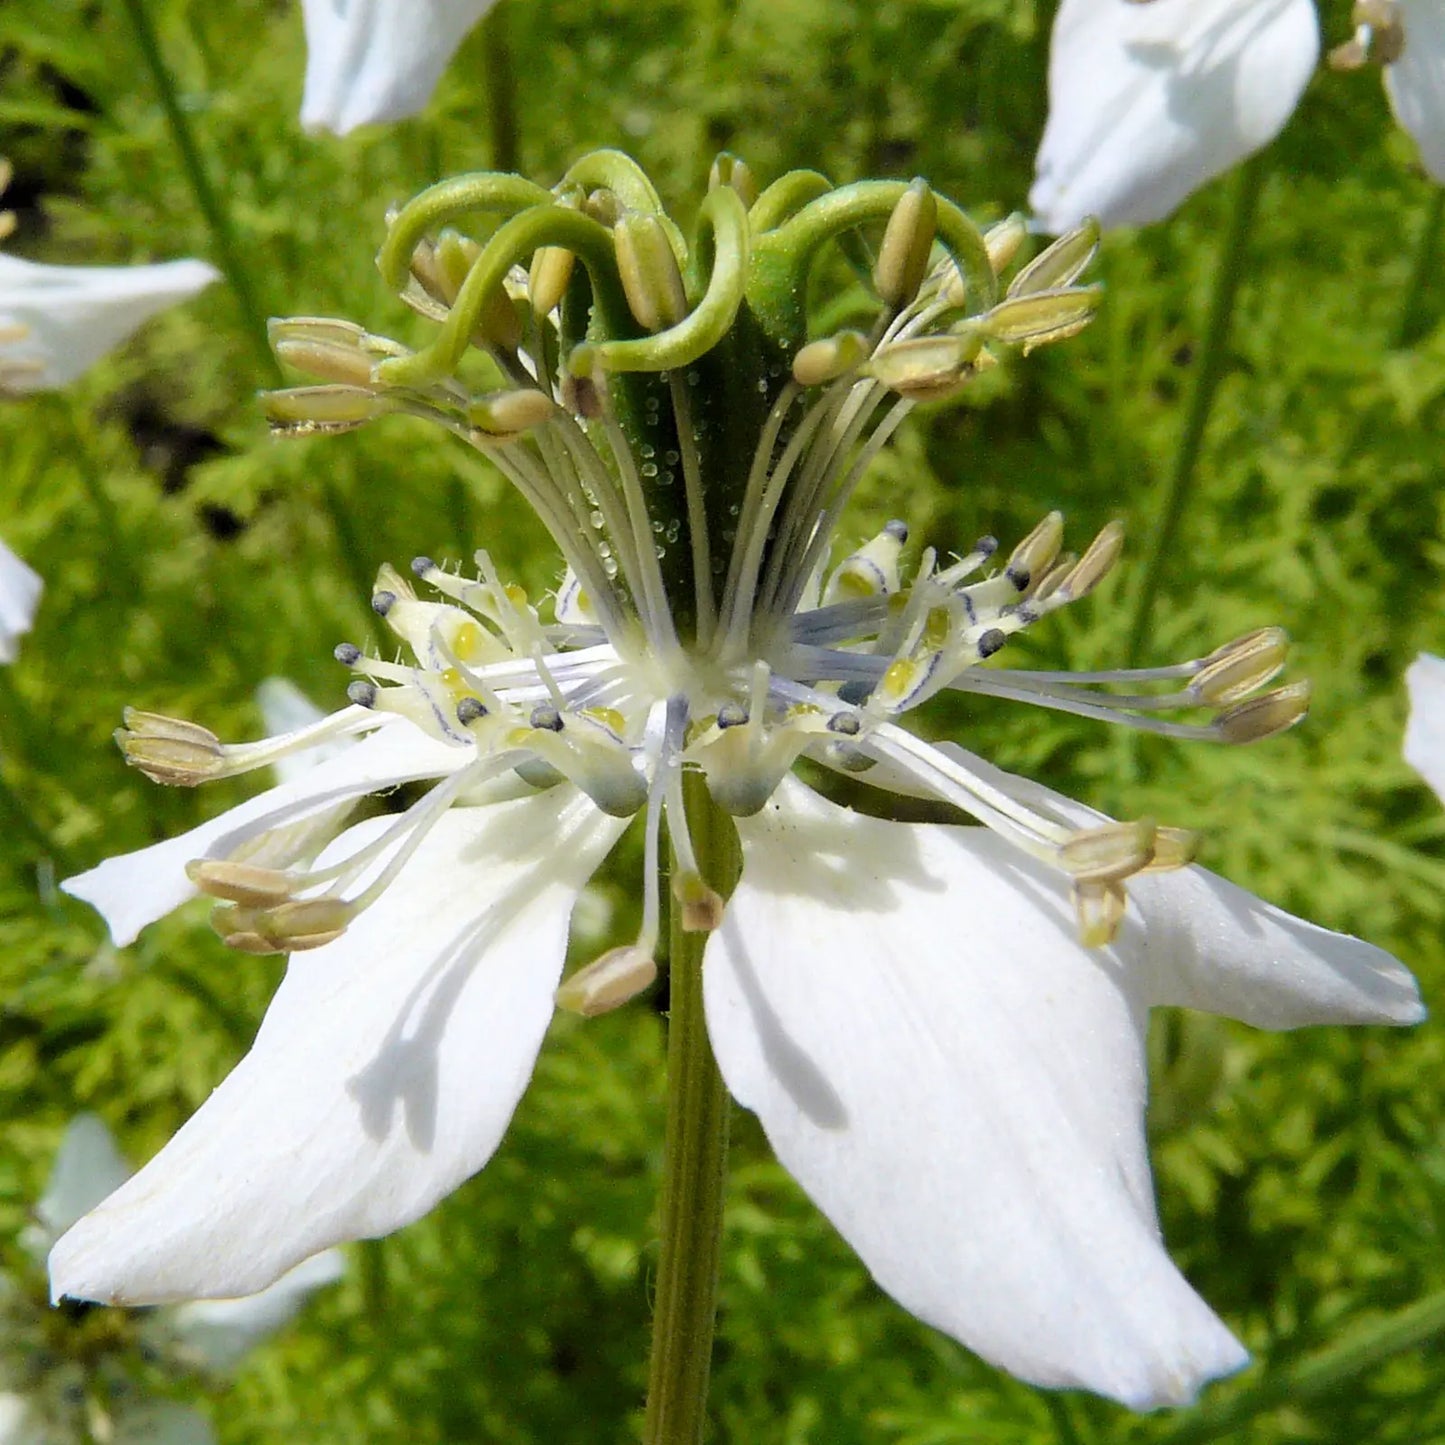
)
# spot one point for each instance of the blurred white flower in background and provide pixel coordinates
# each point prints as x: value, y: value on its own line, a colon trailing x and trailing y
x: 55, y: 323
x: 84, y: 1374
x: 1425, y: 732
x: 1149, y: 99
x: 378, y: 60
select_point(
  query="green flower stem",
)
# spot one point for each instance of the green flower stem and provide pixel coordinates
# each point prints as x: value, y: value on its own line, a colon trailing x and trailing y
x: 1410, y: 323
x: 694, y: 1162
x: 1208, y: 372
x: 501, y: 89
x: 1319, y: 1374
x: 228, y: 252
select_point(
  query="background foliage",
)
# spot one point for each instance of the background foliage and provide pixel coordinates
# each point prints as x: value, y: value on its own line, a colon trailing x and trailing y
x: 1302, y: 1177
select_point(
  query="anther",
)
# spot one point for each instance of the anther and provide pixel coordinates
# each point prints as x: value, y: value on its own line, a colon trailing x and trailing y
x: 855, y: 693
x: 470, y: 710
x: 549, y: 277
x: 1099, y: 909
x: 1096, y: 563
x: 546, y: 718
x: 702, y: 908
x: 348, y: 654
x: 1264, y: 716
x: 420, y: 566
x: 169, y: 750
x: 846, y: 723
x: 1002, y: 241
x: 732, y: 715
x: 362, y: 693
x: 907, y: 243
x: 820, y: 362
x: 1241, y: 667
x: 606, y: 983
x: 730, y: 170
x: 382, y: 602
x: 649, y: 272
x: 1108, y: 853
x: 991, y: 641
x: 1035, y: 554
x: 897, y: 530
x: 243, y: 883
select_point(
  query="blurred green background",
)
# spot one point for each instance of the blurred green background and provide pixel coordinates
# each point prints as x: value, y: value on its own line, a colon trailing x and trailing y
x: 187, y: 556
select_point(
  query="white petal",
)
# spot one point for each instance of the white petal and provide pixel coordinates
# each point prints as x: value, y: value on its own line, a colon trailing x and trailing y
x: 286, y: 709
x: 960, y: 1087
x: 1197, y: 940
x: 378, y: 60
x: 1425, y: 732
x: 160, y: 1422
x: 1208, y: 944
x: 383, y: 1075
x: 1415, y: 83
x: 221, y: 1332
x: 73, y: 315
x: 1147, y: 102
x: 135, y: 889
x: 20, y: 589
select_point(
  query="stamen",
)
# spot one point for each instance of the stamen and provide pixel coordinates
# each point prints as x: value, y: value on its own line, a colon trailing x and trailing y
x: 608, y: 982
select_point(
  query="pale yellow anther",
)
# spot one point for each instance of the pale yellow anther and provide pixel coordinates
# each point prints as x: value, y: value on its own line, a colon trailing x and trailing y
x: 608, y: 982
x: 1061, y: 264
x: 907, y: 244
x: 820, y: 362
x: 1097, y: 562
x: 550, y: 274
x: 1036, y: 553
x: 244, y: 883
x: 330, y: 360
x: 170, y: 750
x: 1264, y: 716
x: 603, y: 206
x: 1241, y: 667
x: 702, y: 907
x: 651, y: 279
x: 927, y: 368
x: 1042, y: 317
x: 1108, y: 853
x: 1002, y: 241
x: 1173, y: 848
x: 507, y: 414
x: 313, y: 410
x: 1099, y: 909
x: 290, y: 927
x: 1054, y: 578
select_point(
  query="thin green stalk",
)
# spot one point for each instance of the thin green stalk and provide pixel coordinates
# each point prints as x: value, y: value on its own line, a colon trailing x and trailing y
x: 1410, y: 324
x: 501, y: 89
x: 1321, y: 1373
x: 228, y: 252
x: 694, y: 1163
x: 1208, y: 372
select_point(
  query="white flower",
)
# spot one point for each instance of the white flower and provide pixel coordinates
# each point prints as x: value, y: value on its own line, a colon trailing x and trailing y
x: 59, y: 1385
x: 953, y: 1075
x: 1149, y: 99
x: 58, y: 321
x: 1425, y: 731
x: 378, y: 60
x: 20, y: 591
